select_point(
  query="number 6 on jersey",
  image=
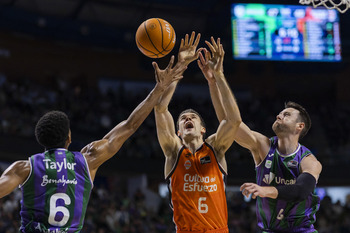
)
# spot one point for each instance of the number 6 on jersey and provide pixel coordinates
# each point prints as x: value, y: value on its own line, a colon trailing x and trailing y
x: 55, y: 209
x: 202, y: 207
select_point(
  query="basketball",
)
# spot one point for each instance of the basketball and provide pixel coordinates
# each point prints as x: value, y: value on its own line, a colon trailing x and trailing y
x: 155, y: 38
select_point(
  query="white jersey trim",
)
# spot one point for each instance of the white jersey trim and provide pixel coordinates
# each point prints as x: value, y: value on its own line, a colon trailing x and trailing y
x: 87, y: 165
x: 176, y: 161
x: 30, y: 173
x: 285, y: 156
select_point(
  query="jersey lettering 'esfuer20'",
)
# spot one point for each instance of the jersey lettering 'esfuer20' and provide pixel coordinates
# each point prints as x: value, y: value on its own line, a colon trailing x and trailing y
x: 56, y: 193
x: 197, y: 191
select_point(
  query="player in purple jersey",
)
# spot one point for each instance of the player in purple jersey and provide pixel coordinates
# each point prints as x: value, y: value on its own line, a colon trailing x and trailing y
x: 287, y: 173
x: 56, y: 184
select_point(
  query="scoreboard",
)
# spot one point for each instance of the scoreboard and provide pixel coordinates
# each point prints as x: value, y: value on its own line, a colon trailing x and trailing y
x: 285, y: 32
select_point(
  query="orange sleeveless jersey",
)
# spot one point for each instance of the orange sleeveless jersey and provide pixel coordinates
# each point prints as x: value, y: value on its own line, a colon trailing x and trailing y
x: 197, y: 189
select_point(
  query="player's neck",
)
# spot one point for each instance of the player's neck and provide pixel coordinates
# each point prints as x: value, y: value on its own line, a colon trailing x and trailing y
x: 193, y: 144
x: 288, y: 144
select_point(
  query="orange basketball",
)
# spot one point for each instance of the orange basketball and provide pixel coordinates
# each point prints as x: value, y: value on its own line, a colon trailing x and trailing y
x: 155, y: 38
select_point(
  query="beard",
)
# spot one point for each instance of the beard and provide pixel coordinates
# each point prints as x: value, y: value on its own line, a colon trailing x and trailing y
x: 280, y: 128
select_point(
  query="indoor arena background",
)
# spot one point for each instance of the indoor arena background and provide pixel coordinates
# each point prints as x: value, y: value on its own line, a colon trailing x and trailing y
x: 80, y: 56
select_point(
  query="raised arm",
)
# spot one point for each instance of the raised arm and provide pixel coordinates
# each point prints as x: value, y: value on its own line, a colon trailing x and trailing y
x: 203, y: 64
x: 224, y: 136
x: 168, y: 140
x: 165, y: 125
x: 99, y: 151
x: 257, y: 143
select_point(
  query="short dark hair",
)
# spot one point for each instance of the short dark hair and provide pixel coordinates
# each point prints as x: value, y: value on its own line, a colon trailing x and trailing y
x: 303, y: 116
x: 52, y: 129
x: 191, y: 111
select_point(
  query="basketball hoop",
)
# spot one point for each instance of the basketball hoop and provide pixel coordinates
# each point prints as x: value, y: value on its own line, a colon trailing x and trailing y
x: 340, y: 5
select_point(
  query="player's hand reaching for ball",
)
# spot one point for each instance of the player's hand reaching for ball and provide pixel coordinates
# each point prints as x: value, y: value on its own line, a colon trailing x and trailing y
x: 215, y: 58
x: 188, y: 46
x: 170, y: 74
x: 203, y: 64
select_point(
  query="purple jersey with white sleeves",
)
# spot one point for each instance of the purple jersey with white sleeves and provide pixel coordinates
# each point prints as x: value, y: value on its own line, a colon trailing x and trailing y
x: 56, y: 193
x: 277, y: 215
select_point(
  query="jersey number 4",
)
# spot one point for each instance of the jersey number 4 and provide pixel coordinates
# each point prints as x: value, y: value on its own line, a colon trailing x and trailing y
x: 54, y: 209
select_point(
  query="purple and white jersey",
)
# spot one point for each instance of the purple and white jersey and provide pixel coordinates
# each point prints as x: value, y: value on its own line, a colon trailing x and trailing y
x: 56, y: 193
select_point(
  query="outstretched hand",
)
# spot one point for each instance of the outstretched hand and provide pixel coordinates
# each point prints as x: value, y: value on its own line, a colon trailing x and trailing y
x: 212, y: 62
x: 170, y: 73
x: 203, y: 64
x: 188, y: 46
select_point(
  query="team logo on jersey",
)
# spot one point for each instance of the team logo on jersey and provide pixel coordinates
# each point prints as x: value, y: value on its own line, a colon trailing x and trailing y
x: 268, y: 178
x: 205, y: 159
x: 187, y: 164
x: 292, y: 163
x: 268, y: 164
x: 188, y: 155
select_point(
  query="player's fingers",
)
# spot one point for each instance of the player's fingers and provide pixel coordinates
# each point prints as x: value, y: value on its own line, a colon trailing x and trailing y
x: 156, y: 69
x: 199, y: 64
x: 201, y: 58
x: 171, y: 62
x: 218, y: 42
x: 207, y: 55
x: 212, y: 49
x: 200, y: 50
x: 244, y: 194
x: 197, y: 53
x: 247, y: 186
x: 222, y: 51
x: 192, y: 38
x: 255, y: 194
x: 213, y: 42
x: 243, y: 186
x: 182, y: 43
x: 186, y: 39
x: 155, y: 66
x: 196, y: 42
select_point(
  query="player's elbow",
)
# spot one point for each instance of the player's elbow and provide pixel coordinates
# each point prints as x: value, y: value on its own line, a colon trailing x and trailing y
x: 160, y: 108
x: 234, y: 123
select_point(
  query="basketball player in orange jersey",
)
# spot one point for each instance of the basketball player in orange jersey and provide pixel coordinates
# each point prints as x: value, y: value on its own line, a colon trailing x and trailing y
x: 195, y: 169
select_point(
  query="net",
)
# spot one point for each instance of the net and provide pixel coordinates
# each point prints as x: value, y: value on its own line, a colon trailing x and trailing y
x: 340, y: 5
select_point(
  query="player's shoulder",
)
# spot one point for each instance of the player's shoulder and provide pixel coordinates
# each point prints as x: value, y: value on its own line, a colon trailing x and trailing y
x: 93, y: 147
x: 21, y: 164
x: 21, y: 168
